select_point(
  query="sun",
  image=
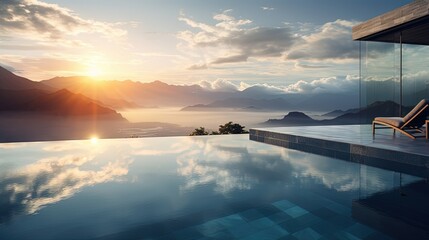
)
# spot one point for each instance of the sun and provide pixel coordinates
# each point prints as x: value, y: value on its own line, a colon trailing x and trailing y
x: 93, y: 71
x: 94, y: 139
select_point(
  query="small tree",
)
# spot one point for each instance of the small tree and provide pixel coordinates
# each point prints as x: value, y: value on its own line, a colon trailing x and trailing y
x: 232, y: 128
x: 199, y: 131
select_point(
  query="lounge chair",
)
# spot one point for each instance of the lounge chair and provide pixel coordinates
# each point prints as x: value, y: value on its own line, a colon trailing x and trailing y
x: 412, y: 122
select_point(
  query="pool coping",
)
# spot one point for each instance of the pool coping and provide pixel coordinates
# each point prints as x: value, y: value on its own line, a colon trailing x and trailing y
x: 378, y: 156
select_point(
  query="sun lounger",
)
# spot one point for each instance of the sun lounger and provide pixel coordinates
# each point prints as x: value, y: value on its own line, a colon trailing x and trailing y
x: 412, y: 122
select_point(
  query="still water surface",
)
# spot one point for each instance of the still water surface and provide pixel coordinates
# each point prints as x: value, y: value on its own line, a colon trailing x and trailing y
x: 217, y: 187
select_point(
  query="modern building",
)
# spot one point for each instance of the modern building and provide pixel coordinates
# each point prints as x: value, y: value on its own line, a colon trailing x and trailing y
x: 394, y: 56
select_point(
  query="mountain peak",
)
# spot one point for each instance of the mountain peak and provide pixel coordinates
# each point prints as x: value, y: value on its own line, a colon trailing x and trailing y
x: 10, y: 81
x: 297, y: 115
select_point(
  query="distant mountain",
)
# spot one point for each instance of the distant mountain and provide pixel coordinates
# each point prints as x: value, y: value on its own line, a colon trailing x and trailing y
x: 60, y: 103
x: 337, y: 113
x: 364, y: 116
x: 10, y: 81
x: 293, y: 118
x: 376, y: 109
x: 136, y: 94
x: 242, y: 103
x: 129, y: 94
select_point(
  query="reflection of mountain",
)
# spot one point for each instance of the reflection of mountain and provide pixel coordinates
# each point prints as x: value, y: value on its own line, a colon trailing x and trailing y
x: 352, y: 116
x: 48, y: 181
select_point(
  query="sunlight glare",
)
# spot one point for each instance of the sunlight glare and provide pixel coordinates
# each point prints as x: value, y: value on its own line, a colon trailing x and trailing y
x: 94, y: 139
x: 94, y: 71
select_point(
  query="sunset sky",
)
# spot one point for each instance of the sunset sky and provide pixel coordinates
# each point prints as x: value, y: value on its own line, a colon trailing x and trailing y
x: 289, y: 44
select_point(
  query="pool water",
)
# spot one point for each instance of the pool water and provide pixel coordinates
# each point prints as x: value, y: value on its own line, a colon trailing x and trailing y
x: 215, y: 187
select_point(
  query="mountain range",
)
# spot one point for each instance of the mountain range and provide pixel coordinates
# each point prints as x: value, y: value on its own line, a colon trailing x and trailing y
x: 130, y: 94
x: 352, y: 116
x: 18, y: 94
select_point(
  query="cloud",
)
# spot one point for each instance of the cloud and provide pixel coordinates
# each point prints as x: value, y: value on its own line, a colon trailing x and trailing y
x: 331, y: 41
x: 237, y: 41
x: 309, y: 66
x: 267, y: 8
x: 198, y: 67
x: 325, y: 85
x: 37, y: 19
x: 220, y: 85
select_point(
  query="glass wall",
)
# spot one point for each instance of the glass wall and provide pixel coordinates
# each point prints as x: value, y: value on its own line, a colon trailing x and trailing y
x: 394, y: 78
x: 379, y: 79
x: 415, y: 74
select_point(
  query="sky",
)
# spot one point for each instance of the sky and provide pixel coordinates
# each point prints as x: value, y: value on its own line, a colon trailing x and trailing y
x: 291, y: 45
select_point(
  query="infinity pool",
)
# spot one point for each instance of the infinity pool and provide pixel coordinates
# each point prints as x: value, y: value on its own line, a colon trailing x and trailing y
x: 217, y: 187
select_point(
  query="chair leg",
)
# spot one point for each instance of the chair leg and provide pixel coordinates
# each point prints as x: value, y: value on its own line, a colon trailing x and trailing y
x: 373, y: 128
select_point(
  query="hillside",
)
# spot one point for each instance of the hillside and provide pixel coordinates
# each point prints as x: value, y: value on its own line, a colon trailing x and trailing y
x: 10, y: 81
x: 60, y: 103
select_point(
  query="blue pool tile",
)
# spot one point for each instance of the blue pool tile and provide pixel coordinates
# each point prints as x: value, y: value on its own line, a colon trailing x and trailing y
x: 339, y: 208
x: 262, y: 223
x: 222, y: 235
x: 251, y: 214
x: 288, y: 237
x: 342, y: 235
x: 209, y: 228
x: 378, y: 236
x: 231, y: 221
x: 274, y: 232
x: 341, y: 221
x: 212, y: 227
x: 324, y: 213
x: 291, y: 225
x: 307, y: 234
x: 360, y: 230
x: 324, y: 227
x: 283, y: 205
x: 308, y: 219
x: 268, y: 209
x: 243, y: 231
x: 296, y: 211
x: 187, y: 234
x: 279, y: 217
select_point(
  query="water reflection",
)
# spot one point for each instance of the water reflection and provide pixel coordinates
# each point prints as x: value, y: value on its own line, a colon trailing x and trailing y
x: 231, y: 167
x: 50, y: 180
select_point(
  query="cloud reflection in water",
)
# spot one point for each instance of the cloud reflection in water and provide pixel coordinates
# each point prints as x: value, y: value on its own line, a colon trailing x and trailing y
x: 50, y: 180
x: 241, y: 167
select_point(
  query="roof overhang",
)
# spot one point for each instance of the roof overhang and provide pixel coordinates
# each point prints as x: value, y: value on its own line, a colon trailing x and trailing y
x: 409, y: 22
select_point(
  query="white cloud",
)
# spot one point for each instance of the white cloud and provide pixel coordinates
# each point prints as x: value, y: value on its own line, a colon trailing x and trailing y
x: 236, y: 39
x: 267, y: 8
x: 325, y: 85
x: 35, y: 19
x: 334, y: 84
x: 220, y: 85
x: 198, y: 66
x: 331, y: 41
